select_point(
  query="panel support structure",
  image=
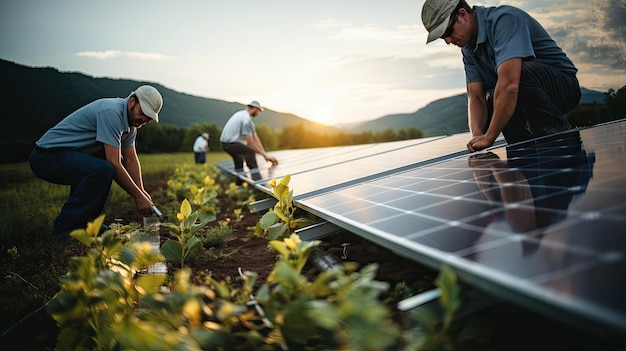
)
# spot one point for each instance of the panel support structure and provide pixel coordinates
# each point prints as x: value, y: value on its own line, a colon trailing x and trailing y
x: 262, y: 205
x: 317, y: 231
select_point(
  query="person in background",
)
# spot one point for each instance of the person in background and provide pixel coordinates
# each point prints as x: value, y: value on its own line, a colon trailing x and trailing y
x: 91, y: 147
x: 519, y: 81
x: 240, y: 140
x: 200, y: 148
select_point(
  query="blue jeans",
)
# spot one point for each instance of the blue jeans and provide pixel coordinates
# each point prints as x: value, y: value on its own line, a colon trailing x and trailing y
x: 545, y: 95
x: 89, y: 178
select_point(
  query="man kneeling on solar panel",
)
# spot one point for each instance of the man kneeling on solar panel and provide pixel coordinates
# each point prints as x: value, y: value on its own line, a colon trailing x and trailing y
x: 519, y: 81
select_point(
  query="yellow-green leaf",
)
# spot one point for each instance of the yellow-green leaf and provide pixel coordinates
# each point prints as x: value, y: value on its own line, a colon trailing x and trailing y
x: 185, y: 208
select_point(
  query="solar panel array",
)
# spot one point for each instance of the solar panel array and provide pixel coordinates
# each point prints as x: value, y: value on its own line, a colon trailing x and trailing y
x: 540, y: 222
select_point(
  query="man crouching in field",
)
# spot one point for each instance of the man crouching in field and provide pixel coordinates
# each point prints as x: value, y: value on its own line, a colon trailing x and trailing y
x: 91, y: 147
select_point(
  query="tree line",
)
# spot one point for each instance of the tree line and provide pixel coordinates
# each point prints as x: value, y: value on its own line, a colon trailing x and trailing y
x: 156, y: 138
x: 614, y: 107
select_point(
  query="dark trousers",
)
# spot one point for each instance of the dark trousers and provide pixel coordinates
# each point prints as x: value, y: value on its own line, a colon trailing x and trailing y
x: 241, y: 153
x: 89, y: 178
x: 545, y: 95
x: 199, y: 157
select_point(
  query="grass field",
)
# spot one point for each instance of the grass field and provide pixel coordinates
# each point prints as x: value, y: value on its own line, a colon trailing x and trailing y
x: 28, y: 204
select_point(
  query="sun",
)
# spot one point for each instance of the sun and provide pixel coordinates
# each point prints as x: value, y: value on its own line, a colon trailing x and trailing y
x: 322, y: 115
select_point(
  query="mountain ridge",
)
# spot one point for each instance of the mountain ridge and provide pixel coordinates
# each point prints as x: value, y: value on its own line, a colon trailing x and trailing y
x: 33, y: 99
x: 445, y: 116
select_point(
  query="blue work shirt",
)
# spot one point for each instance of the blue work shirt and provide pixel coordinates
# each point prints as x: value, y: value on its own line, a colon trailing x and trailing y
x: 506, y: 32
x: 104, y: 121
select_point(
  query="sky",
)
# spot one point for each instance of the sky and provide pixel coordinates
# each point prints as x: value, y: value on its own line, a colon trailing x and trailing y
x: 333, y: 61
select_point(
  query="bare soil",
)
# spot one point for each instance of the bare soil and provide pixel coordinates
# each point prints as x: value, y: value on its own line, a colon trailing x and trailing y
x: 250, y: 253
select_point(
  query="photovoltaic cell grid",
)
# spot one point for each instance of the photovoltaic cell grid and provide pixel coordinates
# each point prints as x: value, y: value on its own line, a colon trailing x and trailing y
x: 303, y: 160
x: 541, y: 222
x: 335, y: 172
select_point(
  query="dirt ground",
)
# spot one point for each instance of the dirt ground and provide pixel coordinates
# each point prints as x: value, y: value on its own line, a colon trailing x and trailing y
x: 251, y: 253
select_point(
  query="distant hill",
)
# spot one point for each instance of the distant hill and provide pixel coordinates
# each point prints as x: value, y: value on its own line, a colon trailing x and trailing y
x: 440, y: 117
x: 445, y: 116
x: 591, y: 97
x: 34, y: 99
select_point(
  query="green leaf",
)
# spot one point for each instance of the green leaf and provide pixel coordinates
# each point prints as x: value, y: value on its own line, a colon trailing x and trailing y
x: 286, y: 275
x: 82, y: 236
x: 277, y: 231
x: 173, y: 228
x: 281, y: 247
x: 139, y: 335
x: 112, y: 244
x: 303, y: 222
x: 97, y: 223
x: 426, y: 316
x: 193, y: 244
x: 268, y: 219
x: 185, y: 208
x: 128, y: 256
x: 323, y: 314
x: 450, y: 293
x: 151, y: 283
x: 228, y: 310
x: 172, y: 251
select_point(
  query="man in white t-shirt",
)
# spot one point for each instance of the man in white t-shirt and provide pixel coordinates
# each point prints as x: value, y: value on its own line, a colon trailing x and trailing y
x: 200, y: 148
x: 240, y: 141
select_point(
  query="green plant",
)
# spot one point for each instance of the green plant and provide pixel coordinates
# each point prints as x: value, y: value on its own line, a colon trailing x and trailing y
x: 339, y: 309
x: 98, y: 295
x: 240, y: 196
x: 216, y: 236
x: 281, y: 221
x: 189, y: 224
x: 197, y: 184
x: 438, y: 328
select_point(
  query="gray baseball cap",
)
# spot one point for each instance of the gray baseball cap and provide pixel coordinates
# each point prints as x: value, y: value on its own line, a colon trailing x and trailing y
x: 256, y: 104
x: 435, y: 16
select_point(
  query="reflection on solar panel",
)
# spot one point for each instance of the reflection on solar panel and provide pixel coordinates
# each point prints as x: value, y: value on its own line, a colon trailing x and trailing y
x: 540, y: 223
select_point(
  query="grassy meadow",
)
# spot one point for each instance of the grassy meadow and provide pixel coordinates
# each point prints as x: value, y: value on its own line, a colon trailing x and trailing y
x: 28, y: 204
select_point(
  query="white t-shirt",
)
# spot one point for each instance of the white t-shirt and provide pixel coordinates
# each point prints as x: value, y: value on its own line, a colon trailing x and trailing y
x: 237, y: 126
x: 200, y: 144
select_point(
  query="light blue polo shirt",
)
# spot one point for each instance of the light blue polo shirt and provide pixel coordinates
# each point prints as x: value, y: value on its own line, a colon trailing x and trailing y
x: 237, y: 126
x: 506, y: 32
x: 104, y: 121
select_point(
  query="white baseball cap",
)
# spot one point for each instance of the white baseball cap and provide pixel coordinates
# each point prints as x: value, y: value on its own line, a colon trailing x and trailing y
x: 435, y: 17
x: 150, y: 101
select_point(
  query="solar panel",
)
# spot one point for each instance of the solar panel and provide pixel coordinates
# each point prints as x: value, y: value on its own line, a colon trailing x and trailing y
x: 540, y: 222
x: 303, y: 160
x: 336, y: 172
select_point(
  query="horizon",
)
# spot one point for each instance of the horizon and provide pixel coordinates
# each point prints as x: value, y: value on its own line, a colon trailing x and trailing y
x: 328, y: 62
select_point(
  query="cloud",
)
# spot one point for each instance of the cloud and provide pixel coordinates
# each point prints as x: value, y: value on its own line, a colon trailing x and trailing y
x: 344, y: 31
x: 113, y: 54
x: 432, y: 70
x: 590, y: 32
